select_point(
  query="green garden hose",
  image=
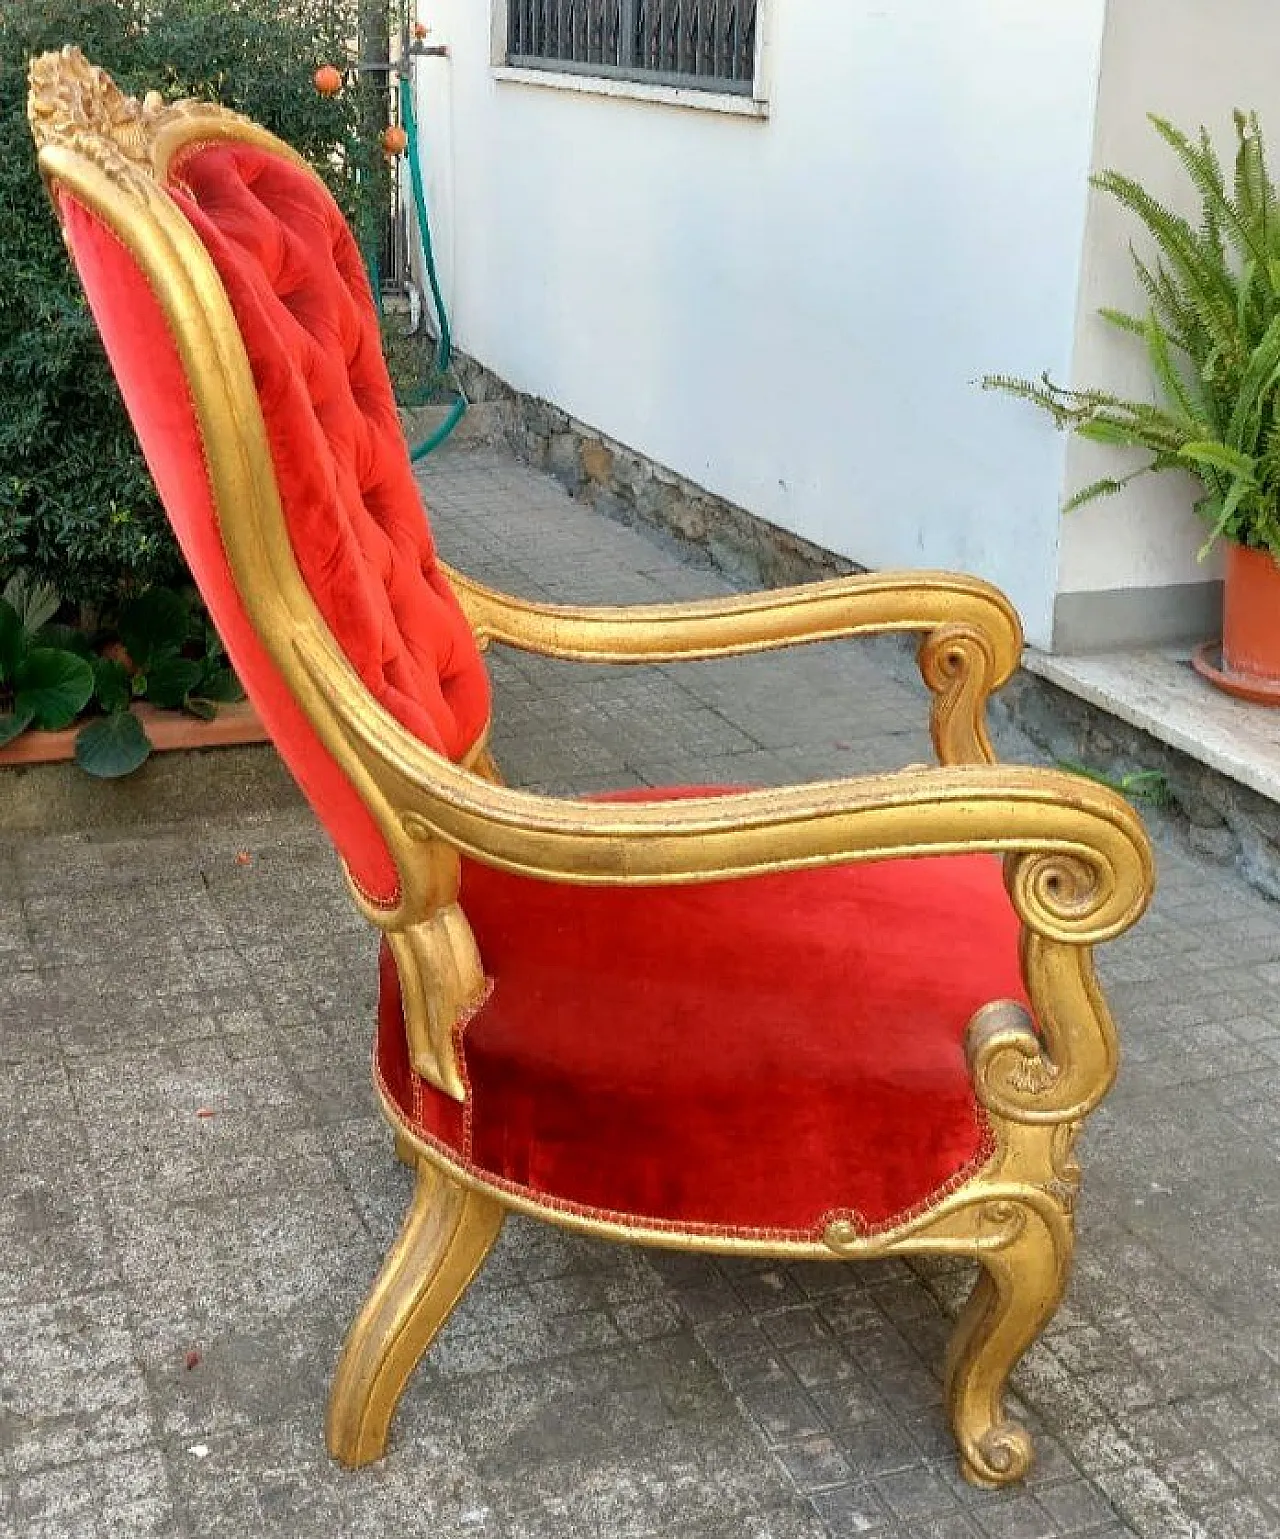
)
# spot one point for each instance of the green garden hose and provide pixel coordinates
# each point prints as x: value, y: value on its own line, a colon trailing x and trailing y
x: 444, y: 345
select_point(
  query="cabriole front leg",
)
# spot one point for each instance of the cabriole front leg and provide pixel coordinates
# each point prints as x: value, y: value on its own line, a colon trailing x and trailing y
x: 1018, y: 1290
x: 448, y: 1232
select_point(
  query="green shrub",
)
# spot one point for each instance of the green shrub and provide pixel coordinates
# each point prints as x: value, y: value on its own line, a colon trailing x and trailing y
x: 162, y: 649
x: 77, y: 506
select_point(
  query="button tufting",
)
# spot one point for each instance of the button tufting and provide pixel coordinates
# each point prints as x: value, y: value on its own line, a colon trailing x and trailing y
x: 298, y: 285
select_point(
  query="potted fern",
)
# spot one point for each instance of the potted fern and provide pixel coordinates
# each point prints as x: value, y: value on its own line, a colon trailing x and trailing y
x: 1212, y: 337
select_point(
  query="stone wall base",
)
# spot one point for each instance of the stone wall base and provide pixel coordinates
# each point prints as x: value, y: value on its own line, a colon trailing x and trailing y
x: 625, y: 486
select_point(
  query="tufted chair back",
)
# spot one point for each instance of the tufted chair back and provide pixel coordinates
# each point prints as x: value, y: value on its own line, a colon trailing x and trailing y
x: 301, y: 300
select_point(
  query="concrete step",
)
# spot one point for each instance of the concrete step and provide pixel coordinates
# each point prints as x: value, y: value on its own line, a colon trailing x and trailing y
x: 1159, y: 692
x: 1218, y: 758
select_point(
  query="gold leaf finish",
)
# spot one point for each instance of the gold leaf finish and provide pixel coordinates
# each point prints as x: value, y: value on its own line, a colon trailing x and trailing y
x: 1077, y: 863
x: 74, y: 103
x: 443, y: 1243
x: 442, y: 979
x: 972, y: 635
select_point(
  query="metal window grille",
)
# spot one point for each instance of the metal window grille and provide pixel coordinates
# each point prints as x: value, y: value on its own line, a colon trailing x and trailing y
x: 706, y: 44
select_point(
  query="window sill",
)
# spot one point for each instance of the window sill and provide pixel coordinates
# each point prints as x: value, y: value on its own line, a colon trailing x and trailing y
x: 727, y: 103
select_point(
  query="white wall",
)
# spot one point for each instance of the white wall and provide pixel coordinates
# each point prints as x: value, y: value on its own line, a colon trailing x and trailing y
x: 793, y: 313
x: 1192, y: 62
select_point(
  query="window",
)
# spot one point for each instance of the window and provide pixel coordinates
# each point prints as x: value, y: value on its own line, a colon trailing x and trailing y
x: 706, y: 45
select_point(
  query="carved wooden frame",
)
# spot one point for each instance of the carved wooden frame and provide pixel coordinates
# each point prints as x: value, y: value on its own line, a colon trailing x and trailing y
x: 1077, y: 863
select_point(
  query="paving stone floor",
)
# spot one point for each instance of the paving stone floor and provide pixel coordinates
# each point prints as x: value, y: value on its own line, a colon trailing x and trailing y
x: 196, y: 1188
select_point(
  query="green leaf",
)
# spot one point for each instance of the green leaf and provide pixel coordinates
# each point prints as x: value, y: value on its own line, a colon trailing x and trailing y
x: 12, y: 725
x: 221, y: 686
x: 66, y: 638
x: 1123, y: 320
x: 1167, y: 376
x: 206, y: 710
x: 1230, y: 505
x: 214, y: 651
x: 1256, y: 388
x: 1243, y: 311
x: 112, y: 746
x: 1212, y: 335
x: 155, y: 624
x: 1206, y: 175
x: 111, y: 683
x: 1142, y: 785
x: 1107, y: 486
x: 54, y: 686
x: 1205, y: 292
x: 1102, y: 430
x: 36, y: 602
x: 170, y: 680
x: 11, y: 639
x: 1255, y: 197
x: 1220, y: 457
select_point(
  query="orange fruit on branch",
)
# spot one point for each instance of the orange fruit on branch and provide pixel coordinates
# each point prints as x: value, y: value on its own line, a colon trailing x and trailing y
x: 394, y: 140
x: 328, y: 80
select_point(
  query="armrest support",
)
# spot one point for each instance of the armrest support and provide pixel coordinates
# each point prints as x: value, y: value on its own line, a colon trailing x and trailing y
x: 972, y: 639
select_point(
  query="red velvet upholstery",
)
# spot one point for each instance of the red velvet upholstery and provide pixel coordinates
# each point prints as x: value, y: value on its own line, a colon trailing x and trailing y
x: 746, y: 1056
x: 295, y: 281
x: 750, y: 1057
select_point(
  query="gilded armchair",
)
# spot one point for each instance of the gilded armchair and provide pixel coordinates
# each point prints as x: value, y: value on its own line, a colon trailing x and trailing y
x: 839, y: 1020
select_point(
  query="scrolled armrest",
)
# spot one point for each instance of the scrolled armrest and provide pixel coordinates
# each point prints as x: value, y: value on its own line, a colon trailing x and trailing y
x: 972, y: 638
x: 1078, y: 866
x: 860, y: 604
x: 1081, y: 870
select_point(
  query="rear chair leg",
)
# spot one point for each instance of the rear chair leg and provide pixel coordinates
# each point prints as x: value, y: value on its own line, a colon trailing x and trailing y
x: 447, y: 1233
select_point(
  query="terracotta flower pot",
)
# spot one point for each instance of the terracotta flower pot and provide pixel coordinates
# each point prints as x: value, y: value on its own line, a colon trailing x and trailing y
x: 1251, y: 613
x: 1248, y: 662
x: 234, y: 725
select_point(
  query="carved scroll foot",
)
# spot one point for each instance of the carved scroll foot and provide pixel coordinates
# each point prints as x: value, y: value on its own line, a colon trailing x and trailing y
x: 448, y: 1232
x: 1017, y: 1293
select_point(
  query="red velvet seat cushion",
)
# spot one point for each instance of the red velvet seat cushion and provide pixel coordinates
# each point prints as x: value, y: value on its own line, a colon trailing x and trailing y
x: 756, y: 1055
